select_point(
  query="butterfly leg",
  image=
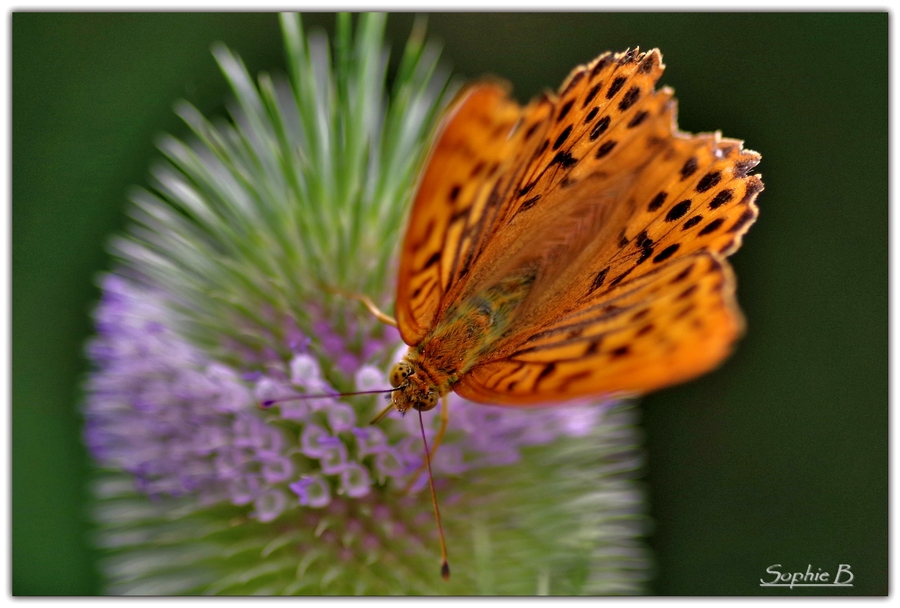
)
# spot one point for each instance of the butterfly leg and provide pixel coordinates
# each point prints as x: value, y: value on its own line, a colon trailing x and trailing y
x: 438, y: 438
x: 367, y: 302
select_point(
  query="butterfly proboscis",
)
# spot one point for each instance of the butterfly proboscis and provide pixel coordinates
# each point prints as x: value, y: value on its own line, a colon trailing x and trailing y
x: 445, y: 565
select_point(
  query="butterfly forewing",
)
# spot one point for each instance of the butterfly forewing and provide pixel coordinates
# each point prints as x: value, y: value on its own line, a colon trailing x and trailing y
x: 564, y: 174
x: 470, y: 152
x: 597, y: 127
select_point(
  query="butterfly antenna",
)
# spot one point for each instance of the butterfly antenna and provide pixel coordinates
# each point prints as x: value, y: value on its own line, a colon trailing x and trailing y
x: 270, y: 402
x: 445, y: 567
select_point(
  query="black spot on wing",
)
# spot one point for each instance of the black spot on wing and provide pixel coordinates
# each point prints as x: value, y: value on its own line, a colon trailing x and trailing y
x: 564, y: 159
x: 616, y: 85
x: 682, y: 275
x: 689, y: 168
x: 638, y: 119
x: 684, y: 311
x: 657, y: 201
x: 743, y: 167
x: 678, y: 211
x: 599, y: 128
x: 435, y: 257
x: 643, y: 331
x: 620, y: 352
x: 745, y: 218
x: 643, y: 239
x: 708, y: 181
x: 645, y: 244
x: 593, y: 347
x: 629, y: 98
x: 711, y: 227
x: 597, y: 283
x: 666, y: 253
x: 692, y: 222
x: 562, y: 137
x: 591, y: 94
x: 721, y: 198
x: 639, y: 315
x: 548, y: 369
x: 605, y: 148
x: 602, y: 62
x: 576, y: 78
x: 687, y: 291
x: 530, y: 203
x: 753, y: 188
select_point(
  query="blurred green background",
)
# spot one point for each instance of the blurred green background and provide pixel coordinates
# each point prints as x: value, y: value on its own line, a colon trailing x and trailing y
x: 779, y: 457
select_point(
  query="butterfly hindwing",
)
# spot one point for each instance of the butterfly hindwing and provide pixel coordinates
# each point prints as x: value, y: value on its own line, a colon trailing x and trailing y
x: 671, y: 325
x: 697, y: 196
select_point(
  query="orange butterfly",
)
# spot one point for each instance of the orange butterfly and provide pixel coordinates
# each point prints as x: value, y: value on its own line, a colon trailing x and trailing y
x: 571, y: 248
x: 575, y: 247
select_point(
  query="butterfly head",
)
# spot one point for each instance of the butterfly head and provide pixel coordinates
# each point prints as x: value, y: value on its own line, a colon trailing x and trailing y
x: 414, y: 391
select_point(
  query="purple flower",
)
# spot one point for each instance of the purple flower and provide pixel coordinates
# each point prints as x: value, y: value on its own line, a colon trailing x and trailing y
x: 183, y: 423
x: 312, y: 490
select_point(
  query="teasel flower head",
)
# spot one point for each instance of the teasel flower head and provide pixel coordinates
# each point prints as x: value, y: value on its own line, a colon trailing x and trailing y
x: 226, y: 293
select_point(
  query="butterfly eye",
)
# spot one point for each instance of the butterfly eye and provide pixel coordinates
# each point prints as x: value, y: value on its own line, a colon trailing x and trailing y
x: 428, y: 402
x: 399, y: 373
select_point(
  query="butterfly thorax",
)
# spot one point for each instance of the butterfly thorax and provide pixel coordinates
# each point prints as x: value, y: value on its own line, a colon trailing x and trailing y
x: 466, y: 334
